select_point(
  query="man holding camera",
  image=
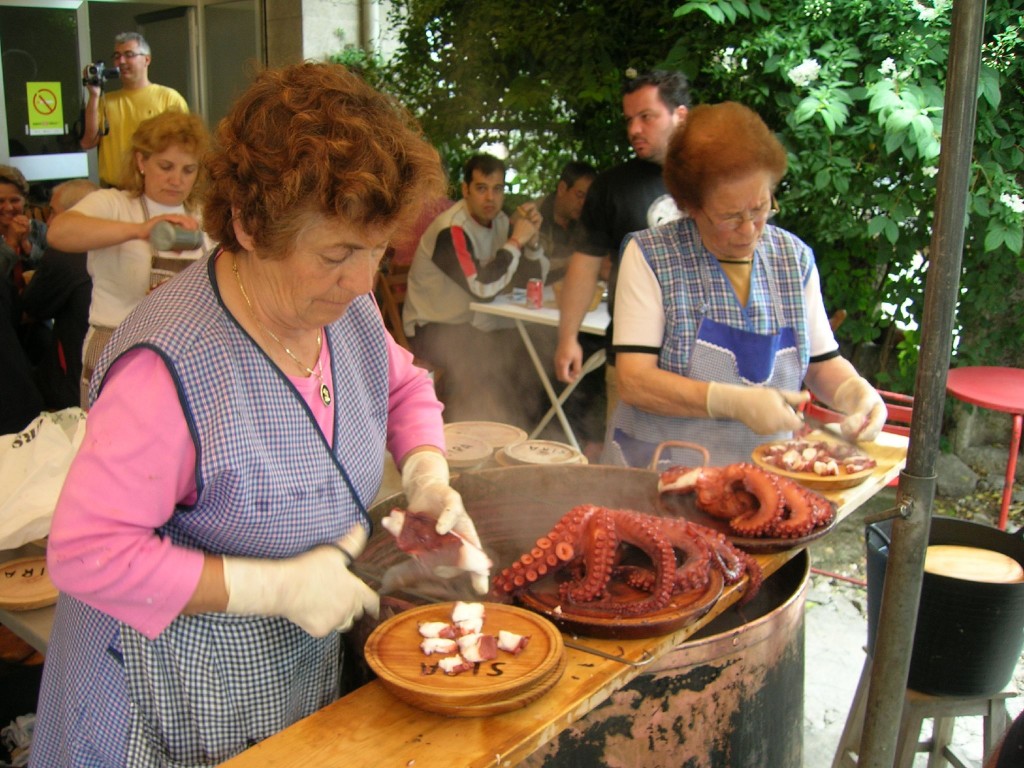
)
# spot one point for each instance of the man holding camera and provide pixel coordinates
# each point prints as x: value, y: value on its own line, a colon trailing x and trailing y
x: 111, y: 119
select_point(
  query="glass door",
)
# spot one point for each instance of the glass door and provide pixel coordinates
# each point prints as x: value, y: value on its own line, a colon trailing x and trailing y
x: 232, y: 51
x: 40, y: 79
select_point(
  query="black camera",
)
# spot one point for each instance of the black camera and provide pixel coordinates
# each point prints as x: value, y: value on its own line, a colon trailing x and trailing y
x: 97, y: 74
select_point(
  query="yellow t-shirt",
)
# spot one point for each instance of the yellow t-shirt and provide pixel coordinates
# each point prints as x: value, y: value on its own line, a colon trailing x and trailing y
x: 125, y: 110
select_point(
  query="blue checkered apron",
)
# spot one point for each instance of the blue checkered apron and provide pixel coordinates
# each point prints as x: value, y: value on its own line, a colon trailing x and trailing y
x: 710, y: 336
x: 269, y: 486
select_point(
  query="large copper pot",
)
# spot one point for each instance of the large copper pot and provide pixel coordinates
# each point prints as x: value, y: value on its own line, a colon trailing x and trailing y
x: 709, y: 703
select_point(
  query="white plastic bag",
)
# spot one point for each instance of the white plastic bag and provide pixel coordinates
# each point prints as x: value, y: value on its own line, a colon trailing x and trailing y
x: 33, y: 465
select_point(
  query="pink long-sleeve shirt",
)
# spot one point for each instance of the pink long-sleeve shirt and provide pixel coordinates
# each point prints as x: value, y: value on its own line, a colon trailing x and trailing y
x: 138, y: 461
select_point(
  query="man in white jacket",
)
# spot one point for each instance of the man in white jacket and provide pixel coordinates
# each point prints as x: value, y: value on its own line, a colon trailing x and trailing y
x: 471, y: 253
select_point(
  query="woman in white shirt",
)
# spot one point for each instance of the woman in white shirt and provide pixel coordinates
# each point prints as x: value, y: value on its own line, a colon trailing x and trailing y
x: 163, y: 183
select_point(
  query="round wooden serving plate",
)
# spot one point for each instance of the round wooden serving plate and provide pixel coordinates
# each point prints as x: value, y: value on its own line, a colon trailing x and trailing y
x: 972, y: 564
x: 494, y: 433
x: 500, y: 685
x: 24, y: 585
x: 810, y: 479
x: 543, y: 596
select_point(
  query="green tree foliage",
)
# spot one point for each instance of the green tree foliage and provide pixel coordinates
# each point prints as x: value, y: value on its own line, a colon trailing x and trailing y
x: 853, y: 87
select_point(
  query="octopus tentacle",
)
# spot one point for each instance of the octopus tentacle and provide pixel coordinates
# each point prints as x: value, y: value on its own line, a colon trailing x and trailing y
x: 600, y: 544
x: 797, y: 518
x: 762, y: 485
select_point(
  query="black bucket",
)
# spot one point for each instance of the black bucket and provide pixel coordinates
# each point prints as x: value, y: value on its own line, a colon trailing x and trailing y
x: 969, y: 634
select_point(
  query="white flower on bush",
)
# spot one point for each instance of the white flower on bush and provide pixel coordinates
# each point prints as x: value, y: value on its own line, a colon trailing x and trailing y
x: 805, y: 72
x: 1014, y: 202
x: 930, y: 171
x: 928, y: 13
x: 888, y: 67
x: 729, y: 62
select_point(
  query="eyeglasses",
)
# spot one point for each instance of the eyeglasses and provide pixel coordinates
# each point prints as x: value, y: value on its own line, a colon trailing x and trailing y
x: 127, y: 55
x: 757, y: 217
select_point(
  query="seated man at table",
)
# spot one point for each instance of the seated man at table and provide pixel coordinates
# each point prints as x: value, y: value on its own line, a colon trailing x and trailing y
x: 471, y: 253
x: 560, y: 212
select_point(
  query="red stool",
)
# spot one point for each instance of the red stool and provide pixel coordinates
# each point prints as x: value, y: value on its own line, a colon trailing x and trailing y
x: 998, y: 389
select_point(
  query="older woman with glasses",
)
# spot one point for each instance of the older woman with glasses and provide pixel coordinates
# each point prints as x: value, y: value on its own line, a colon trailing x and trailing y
x: 719, y: 319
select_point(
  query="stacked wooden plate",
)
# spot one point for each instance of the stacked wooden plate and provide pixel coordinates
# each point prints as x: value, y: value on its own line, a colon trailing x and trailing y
x: 466, y: 452
x: 534, y: 452
x: 24, y: 585
x: 503, y: 684
x: 474, y: 443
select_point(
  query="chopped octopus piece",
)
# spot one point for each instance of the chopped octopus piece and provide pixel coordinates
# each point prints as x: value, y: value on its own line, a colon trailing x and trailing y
x: 467, y: 611
x: 478, y: 647
x: 445, y: 556
x: 469, y: 626
x: 438, y: 629
x: 432, y: 645
x: 512, y: 643
x: 453, y: 665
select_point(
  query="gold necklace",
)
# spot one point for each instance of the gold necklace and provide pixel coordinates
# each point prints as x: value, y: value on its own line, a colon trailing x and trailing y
x: 325, y: 393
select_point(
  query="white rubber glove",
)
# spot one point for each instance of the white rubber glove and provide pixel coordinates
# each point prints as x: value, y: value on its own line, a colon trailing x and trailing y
x: 425, y: 485
x: 315, y: 590
x: 865, y: 409
x: 763, y: 409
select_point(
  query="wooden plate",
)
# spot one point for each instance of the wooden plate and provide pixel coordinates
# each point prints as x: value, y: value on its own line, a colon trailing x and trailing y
x: 810, y: 479
x: 972, y: 564
x: 24, y: 585
x: 464, y: 451
x: 494, y: 433
x: 541, y: 452
x: 543, y: 596
x: 505, y: 683
x: 682, y: 505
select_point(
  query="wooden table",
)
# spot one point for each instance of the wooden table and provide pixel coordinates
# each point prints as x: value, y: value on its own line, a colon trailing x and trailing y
x: 594, y: 322
x: 371, y: 728
x: 998, y: 389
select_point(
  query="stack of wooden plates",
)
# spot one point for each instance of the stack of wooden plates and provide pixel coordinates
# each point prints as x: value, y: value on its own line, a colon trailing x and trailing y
x: 544, y: 452
x: 500, y: 685
x: 473, y: 444
x: 466, y: 452
x: 24, y: 585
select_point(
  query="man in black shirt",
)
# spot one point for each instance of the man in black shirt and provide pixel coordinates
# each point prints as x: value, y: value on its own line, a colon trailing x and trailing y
x: 626, y: 198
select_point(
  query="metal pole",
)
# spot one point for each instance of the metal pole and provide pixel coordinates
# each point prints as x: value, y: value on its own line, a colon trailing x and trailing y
x: 916, y: 492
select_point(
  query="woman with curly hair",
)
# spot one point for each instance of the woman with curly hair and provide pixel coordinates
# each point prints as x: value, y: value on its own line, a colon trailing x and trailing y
x: 163, y: 182
x: 238, y: 430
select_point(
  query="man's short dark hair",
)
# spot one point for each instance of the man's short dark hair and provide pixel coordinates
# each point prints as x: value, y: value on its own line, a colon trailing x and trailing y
x: 486, y: 164
x: 575, y: 170
x: 673, y: 89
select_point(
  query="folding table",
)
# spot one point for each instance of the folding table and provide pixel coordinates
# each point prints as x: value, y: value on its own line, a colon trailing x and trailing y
x: 595, y: 322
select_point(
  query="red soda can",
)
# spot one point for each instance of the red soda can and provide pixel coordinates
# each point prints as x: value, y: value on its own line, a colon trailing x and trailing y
x: 534, y: 293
